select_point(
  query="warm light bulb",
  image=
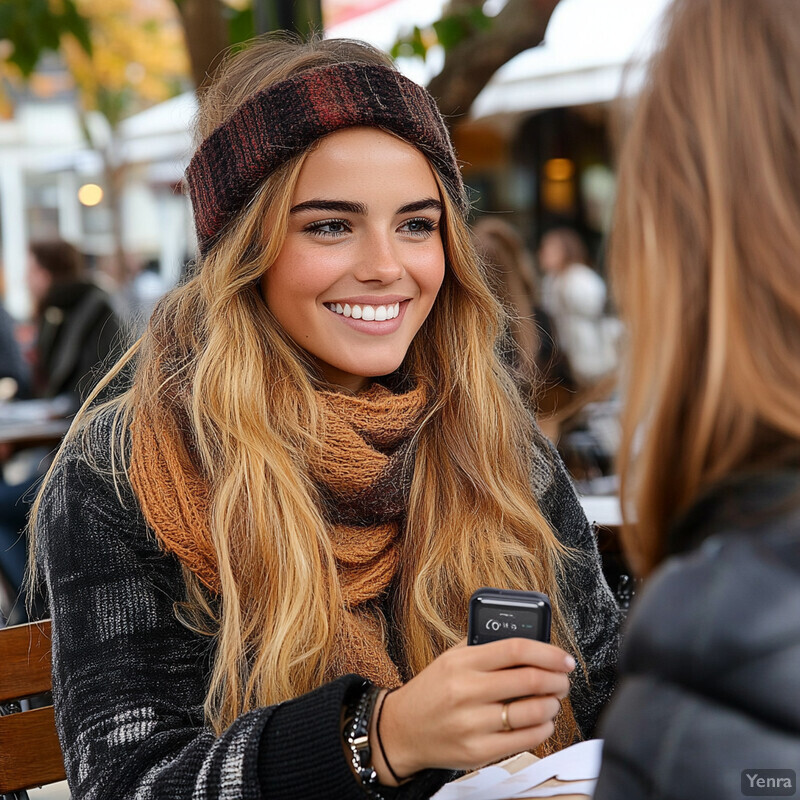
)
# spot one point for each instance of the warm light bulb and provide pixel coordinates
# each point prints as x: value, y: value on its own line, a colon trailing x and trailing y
x: 90, y: 194
x: 559, y: 169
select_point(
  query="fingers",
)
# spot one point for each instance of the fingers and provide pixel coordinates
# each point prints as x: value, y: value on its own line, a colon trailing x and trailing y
x: 523, y: 682
x: 520, y: 653
x: 528, y: 713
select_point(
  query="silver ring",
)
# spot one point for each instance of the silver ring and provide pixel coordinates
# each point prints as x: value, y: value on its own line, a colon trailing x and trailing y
x: 504, y: 717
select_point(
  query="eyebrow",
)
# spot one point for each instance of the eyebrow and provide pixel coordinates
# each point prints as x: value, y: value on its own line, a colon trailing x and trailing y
x: 348, y: 207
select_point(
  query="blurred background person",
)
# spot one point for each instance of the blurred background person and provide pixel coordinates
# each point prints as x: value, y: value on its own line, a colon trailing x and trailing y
x: 78, y: 336
x: 542, y: 367
x: 78, y: 331
x: 705, y: 258
x: 575, y: 297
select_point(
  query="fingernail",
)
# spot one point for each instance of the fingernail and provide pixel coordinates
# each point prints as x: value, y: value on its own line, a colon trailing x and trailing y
x: 570, y: 662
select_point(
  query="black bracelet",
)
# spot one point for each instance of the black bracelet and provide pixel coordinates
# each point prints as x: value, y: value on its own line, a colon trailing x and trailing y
x: 358, y: 714
x: 380, y: 741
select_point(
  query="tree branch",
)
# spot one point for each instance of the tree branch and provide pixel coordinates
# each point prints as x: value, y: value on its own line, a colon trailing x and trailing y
x: 471, y: 63
x: 206, y: 32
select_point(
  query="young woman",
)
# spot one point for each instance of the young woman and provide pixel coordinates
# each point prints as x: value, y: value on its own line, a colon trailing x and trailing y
x: 705, y: 263
x: 319, y: 460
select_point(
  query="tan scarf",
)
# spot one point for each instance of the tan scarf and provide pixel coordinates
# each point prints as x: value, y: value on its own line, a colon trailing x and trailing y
x: 364, y: 476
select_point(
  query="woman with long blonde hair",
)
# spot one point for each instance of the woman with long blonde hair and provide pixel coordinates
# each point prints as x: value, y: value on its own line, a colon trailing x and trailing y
x: 705, y: 257
x: 319, y: 459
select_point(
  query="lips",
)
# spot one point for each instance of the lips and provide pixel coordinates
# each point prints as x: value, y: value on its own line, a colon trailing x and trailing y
x: 365, y: 311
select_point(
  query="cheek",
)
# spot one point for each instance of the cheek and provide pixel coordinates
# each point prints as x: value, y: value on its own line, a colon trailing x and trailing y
x: 431, y: 277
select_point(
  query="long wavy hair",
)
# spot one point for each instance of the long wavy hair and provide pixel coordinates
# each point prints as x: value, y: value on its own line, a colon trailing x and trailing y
x: 704, y: 258
x: 215, y: 368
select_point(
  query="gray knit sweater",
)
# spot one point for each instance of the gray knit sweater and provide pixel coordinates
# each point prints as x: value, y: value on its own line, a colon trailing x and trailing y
x: 129, y: 680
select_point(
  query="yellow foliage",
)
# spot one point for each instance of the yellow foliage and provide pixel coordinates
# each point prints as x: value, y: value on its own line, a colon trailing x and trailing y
x: 138, y: 49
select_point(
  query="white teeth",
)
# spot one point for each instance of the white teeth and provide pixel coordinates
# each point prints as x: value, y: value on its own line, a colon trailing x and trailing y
x: 365, y: 312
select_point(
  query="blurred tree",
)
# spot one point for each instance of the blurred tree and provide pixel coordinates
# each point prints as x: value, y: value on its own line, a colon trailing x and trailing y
x: 476, y: 45
x: 122, y: 55
x: 211, y: 26
x: 33, y: 26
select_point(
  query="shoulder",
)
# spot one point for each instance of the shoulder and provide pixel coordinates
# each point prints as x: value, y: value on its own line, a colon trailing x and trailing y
x: 556, y: 494
x: 88, y: 482
x: 722, y: 621
x: 709, y: 665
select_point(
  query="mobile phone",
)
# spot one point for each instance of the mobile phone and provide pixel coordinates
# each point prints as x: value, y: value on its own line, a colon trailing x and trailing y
x: 505, y: 613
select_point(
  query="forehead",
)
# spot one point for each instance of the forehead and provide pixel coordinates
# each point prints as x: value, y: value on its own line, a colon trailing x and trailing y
x: 364, y: 160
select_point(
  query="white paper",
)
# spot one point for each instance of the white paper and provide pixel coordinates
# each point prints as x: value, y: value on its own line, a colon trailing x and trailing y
x: 579, y: 765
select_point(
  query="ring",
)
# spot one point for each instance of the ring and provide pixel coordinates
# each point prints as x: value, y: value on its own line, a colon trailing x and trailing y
x: 504, y: 718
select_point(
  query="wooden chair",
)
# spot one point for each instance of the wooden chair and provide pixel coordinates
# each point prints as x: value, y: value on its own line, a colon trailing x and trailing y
x: 30, y: 754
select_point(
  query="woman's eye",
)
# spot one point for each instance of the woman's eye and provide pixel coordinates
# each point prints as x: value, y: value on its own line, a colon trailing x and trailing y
x: 328, y: 227
x: 419, y: 226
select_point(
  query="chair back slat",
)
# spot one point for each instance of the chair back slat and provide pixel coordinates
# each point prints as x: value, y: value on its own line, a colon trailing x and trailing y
x: 25, y: 656
x: 30, y: 754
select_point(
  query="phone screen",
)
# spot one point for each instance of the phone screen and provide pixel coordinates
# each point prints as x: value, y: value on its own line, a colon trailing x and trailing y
x: 502, y: 614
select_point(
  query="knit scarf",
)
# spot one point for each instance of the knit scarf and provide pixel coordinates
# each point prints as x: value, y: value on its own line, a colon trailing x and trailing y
x: 363, y: 475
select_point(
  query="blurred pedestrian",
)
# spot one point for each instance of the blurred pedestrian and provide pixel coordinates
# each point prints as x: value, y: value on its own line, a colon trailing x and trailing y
x: 575, y: 297
x: 705, y: 258
x: 78, y: 330
x: 541, y: 366
x: 78, y: 336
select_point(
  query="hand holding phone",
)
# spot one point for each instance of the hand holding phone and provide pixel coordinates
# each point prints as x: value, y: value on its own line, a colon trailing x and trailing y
x: 505, y: 613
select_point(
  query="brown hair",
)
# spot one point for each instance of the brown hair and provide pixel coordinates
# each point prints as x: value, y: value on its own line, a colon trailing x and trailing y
x: 704, y: 258
x: 215, y: 368
x: 511, y: 274
x: 62, y: 260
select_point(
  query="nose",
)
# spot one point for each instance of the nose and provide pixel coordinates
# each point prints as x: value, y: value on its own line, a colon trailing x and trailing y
x: 380, y: 260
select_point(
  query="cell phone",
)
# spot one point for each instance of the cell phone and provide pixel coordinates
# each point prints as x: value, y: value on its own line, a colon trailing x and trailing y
x: 505, y: 613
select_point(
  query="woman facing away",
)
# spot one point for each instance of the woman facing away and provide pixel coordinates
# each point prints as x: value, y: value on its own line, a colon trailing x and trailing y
x: 319, y: 459
x: 705, y: 259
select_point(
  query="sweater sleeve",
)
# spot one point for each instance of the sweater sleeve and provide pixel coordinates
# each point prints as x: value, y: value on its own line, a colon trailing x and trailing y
x: 590, y: 606
x: 129, y: 680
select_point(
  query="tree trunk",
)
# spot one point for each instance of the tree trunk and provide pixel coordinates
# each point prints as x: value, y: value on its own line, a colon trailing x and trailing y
x: 471, y: 63
x: 206, y: 32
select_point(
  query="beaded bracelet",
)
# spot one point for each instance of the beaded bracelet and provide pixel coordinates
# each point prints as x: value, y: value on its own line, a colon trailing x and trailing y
x: 358, y: 714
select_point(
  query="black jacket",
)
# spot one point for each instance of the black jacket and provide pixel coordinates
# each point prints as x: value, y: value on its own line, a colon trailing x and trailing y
x: 78, y: 340
x: 710, y: 666
x: 129, y: 680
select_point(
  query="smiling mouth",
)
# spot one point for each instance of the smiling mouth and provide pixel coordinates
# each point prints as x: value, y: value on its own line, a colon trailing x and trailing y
x: 366, y: 312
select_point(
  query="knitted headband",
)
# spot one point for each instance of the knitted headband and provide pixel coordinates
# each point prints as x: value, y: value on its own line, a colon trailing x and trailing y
x: 277, y: 123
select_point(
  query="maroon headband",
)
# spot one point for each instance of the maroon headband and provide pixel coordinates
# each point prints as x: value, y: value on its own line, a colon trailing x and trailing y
x: 277, y: 123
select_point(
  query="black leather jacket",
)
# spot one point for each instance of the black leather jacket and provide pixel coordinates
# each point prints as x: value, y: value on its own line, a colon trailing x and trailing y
x: 710, y: 665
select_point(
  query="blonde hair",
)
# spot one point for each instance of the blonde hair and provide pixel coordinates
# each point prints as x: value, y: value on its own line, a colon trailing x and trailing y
x: 215, y: 366
x: 704, y: 257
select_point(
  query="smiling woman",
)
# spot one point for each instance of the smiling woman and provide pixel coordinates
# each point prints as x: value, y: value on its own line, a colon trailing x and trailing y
x: 266, y: 545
